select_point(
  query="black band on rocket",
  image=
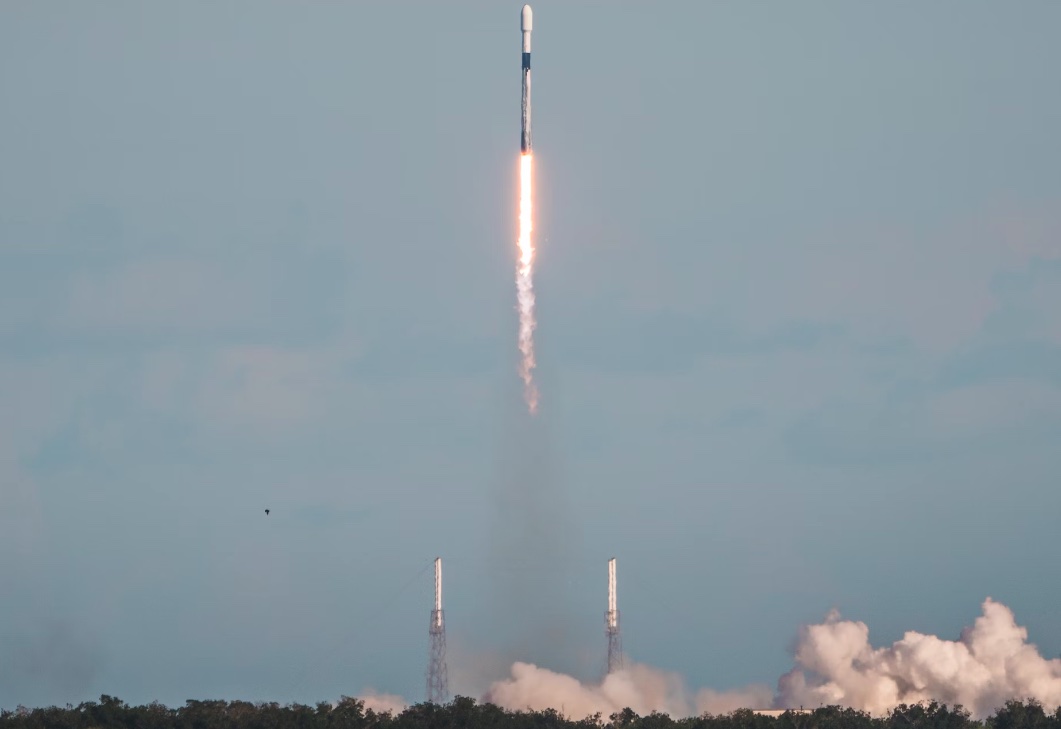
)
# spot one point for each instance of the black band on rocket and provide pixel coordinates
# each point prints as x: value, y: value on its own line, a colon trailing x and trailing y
x: 526, y: 61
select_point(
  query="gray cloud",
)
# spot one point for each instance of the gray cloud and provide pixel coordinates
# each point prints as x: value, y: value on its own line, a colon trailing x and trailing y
x: 49, y: 658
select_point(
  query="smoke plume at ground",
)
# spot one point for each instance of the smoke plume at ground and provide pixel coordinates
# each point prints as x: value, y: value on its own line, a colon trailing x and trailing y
x: 383, y: 703
x: 990, y: 663
x: 641, y: 688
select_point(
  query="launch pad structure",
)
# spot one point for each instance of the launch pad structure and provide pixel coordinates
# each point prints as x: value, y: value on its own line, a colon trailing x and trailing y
x: 437, y: 675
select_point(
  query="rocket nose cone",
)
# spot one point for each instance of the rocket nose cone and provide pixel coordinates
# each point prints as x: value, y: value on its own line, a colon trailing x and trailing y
x: 526, y: 18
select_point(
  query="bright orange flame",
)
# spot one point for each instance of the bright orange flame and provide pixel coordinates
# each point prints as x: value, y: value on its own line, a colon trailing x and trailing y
x: 525, y: 282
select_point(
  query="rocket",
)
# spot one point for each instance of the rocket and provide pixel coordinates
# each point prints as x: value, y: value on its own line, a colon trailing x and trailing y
x: 526, y: 18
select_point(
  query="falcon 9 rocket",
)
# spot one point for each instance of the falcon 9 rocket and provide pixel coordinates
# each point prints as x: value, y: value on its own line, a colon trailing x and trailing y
x: 526, y: 19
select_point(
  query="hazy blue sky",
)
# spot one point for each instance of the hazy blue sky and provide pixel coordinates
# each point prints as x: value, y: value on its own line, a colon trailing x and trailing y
x: 799, y: 336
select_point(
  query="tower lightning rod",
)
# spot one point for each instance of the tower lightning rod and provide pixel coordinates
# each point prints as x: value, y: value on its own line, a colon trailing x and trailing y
x: 613, y: 618
x: 438, y: 591
x: 611, y: 623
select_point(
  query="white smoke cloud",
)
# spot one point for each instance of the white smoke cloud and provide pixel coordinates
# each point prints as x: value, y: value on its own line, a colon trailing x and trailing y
x: 709, y: 701
x: 383, y: 703
x: 990, y: 663
x: 639, y: 687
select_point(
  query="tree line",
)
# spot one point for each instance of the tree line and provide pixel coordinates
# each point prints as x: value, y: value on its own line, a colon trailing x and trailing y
x: 466, y: 713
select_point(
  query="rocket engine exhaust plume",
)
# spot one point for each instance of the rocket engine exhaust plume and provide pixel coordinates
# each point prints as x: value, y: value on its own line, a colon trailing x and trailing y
x: 525, y: 283
x: 525, y: 266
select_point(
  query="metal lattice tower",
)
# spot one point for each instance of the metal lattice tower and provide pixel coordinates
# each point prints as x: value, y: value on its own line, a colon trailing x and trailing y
x: 437, y: 678
x: 611, y: 624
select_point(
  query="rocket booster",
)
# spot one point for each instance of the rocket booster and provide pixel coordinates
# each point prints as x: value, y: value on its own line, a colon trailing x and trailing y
x: 526, y: 18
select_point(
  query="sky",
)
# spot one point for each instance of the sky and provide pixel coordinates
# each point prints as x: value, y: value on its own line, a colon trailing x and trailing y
x: 799, y: 337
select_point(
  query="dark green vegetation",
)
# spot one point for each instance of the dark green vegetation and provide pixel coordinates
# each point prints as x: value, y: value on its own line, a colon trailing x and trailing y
x: 465, y: 713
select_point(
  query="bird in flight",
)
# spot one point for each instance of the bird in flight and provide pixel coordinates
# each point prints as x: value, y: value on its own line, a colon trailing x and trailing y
x: 267, y: 512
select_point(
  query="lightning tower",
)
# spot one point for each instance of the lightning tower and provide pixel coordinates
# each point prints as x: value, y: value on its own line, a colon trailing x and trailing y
x: 611, y: 623
x: 437, y: 678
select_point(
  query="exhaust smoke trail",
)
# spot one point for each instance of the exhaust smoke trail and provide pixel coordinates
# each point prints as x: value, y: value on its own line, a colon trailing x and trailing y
x: 525, y: 281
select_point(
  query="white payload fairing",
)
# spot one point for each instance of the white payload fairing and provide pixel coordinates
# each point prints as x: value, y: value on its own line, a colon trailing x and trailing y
x: 526, y: 22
